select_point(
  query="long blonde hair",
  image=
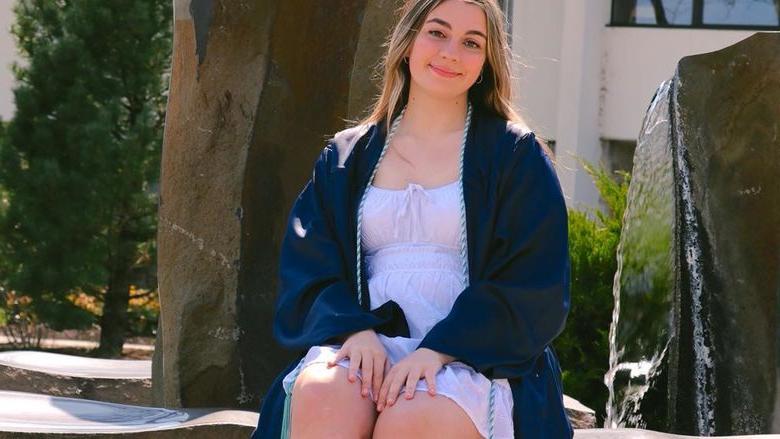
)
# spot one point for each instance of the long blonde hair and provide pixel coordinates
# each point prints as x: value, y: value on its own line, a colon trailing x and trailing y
x: 493, y: 94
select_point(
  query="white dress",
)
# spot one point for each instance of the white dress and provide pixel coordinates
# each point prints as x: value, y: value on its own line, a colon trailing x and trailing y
x: 410, y: 238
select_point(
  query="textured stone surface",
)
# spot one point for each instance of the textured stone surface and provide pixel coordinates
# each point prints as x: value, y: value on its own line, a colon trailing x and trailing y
x: 579, y: 415
x: 26, y: 415
x: 120, y: 381
x: 729, y: 122
x: 256, y: 88
x: 697, y: 338
x: 632, y: 433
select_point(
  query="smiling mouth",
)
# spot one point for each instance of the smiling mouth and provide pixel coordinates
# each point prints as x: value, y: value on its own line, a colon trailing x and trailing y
x: 443, y: 72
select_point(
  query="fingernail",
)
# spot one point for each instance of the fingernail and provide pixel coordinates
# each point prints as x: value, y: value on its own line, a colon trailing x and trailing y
x: 390, y: 401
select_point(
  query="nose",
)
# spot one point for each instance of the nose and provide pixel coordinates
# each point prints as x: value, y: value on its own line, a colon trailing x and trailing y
x: 450, y: 50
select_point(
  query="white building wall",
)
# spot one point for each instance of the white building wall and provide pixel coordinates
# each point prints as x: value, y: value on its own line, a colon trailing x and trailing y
x: 584, y: 83
x: 638, y: 59
x: 537, y: 32
x: 7, y: 55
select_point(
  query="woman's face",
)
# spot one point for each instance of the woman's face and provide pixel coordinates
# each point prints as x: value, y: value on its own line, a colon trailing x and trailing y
x: 448, y: 52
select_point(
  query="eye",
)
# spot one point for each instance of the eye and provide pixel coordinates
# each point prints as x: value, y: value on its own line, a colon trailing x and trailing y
x: 435, y: 33
x: 473, y: 44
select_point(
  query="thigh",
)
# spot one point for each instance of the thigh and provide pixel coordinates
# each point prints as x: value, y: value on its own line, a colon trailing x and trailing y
x: 425, y: 416
x: 326, y: 404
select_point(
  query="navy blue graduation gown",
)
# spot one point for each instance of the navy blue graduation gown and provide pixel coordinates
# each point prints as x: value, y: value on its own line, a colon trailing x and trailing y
x: 502, y: 324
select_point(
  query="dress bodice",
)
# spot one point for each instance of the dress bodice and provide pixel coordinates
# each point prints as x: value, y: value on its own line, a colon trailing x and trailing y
x: 414, y: 215
x: 411, y: 240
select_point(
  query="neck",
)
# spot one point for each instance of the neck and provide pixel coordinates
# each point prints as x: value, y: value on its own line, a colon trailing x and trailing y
x: 429, y: 116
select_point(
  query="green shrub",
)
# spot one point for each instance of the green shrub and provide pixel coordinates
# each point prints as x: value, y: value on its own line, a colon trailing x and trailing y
x: 583, y: 347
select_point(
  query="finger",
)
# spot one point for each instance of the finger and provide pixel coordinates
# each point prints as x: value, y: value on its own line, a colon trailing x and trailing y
x: 337, y: 358
x: 354, y: 364
x: 395, y: 386
x: 411, y: 382
x: 381, y: 399
x: 368, y: 374
x: 379, y: 373
x: 430, y: 378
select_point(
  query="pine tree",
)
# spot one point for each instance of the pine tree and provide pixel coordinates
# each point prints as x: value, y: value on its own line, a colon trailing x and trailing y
x: 80, y: 160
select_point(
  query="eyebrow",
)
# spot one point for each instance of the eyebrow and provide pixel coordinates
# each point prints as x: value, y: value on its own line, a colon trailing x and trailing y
x: 447, y: 25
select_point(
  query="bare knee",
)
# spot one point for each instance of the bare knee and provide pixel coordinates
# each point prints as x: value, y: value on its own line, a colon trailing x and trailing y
x: 401, y: 420
x: 326, y: 404
x: 423, y: 416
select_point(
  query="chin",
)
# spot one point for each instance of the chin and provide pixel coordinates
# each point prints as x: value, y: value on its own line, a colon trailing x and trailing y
x: 434, y: 87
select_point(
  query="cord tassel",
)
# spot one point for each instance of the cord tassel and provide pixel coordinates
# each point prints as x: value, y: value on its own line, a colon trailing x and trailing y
x: 286, y: 416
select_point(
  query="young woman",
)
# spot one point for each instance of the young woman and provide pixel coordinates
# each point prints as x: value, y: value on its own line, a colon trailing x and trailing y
x: 425, y: 269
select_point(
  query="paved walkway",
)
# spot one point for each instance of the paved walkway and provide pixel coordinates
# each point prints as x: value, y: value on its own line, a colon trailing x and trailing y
x: 75, y: 366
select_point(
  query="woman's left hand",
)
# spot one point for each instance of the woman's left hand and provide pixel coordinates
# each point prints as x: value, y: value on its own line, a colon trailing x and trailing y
x: 422, y: 363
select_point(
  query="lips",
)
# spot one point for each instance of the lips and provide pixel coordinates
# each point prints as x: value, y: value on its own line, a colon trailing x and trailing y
x: 443, y: 72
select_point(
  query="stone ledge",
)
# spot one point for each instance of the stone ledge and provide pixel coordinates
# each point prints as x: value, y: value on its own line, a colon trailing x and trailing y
x: 634, y: 433
x: 118, y: 381
x: 27, y: 415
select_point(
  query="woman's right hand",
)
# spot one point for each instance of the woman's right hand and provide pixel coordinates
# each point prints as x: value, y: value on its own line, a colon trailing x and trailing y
x: 364, y: 348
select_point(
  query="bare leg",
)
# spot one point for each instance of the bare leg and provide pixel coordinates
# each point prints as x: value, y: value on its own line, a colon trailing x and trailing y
x: 425, y: 416
x: 326, y: 404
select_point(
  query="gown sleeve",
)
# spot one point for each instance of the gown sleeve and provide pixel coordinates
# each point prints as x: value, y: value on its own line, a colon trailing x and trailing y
x: 317, y: 302
x: 501, y: 323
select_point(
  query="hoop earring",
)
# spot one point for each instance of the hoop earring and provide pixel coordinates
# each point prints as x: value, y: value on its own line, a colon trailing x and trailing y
x: 479, y: 81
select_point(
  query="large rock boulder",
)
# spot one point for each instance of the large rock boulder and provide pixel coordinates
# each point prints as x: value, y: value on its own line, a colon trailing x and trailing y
x: 696, y: 331
x: 256, y: 88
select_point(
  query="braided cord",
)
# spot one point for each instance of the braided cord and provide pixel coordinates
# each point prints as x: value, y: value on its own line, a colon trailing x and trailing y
x: 464, y: 258
x: 492, y: 410
x: 390, y: 134
x: 463, y: 244
x: 286, y: 414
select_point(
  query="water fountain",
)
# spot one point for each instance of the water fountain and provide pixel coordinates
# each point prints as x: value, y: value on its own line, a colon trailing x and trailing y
x: 695, y: 335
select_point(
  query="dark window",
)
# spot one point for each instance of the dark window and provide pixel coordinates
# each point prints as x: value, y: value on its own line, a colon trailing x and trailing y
x: 618, y: 155
x: 711, y: 14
